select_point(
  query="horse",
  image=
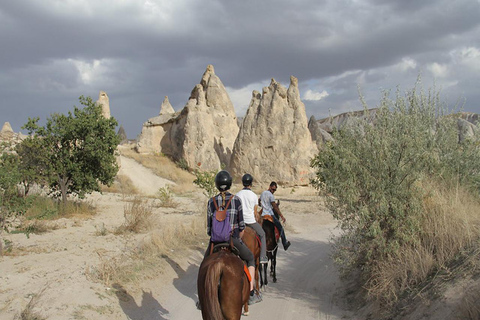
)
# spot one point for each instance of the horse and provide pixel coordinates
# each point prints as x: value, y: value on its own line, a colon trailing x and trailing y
x: 223, y: 288
x: 272, y: 247
x: 251, y: 240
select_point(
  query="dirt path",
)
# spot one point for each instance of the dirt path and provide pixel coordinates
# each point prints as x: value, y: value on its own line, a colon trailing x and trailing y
x: 143, y: 178
x: 307, y: 280
x: 305, y: 289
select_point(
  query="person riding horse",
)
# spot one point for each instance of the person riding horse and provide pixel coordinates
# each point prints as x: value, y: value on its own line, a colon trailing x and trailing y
x: 270, y: 207
x: 249, y: 201
x: 231, y: 203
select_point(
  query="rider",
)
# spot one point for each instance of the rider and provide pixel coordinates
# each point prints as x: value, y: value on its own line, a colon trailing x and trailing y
x: 270, y: 207
x: 223, y: 182
x: 249, y: 201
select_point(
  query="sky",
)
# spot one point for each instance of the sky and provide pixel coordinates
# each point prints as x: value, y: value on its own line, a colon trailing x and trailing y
x: 54, y: 51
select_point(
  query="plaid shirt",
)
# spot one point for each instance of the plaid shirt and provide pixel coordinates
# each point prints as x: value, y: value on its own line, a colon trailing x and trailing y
x: 234, y: 210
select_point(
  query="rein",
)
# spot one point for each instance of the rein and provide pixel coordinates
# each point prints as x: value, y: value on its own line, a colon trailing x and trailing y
x: 271, y: 251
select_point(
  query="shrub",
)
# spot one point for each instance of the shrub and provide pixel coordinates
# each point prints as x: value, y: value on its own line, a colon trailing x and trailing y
x: 373, y: 175
x: 166, y: 197
x: 182, y: 164
x: 137, y: 215
x: 206, y: 181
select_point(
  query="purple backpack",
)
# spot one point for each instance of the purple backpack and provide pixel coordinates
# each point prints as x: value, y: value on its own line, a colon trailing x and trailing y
x: 221, y: 229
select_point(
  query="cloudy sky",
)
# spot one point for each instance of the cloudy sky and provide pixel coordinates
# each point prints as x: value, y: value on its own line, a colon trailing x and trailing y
x: 138, y: 51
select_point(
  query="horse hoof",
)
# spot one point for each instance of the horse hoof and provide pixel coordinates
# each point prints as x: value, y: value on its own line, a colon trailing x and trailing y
x: 246, y: 313
x: 274, y: 280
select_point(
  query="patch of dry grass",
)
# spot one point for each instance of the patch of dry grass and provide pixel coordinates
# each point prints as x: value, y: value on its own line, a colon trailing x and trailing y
x: 138, y: 216
x: 450, y: 226
x: 146, y: 257
x: 29, y: 313
x: 47, y: 214
x: 122, y: 184
x: 166, y: 197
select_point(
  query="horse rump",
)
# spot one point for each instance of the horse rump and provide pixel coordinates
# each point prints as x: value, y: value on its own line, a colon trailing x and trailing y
x: 219, y: 285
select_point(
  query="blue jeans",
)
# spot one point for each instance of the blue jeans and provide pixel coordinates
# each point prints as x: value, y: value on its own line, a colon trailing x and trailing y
x: 280, y: 229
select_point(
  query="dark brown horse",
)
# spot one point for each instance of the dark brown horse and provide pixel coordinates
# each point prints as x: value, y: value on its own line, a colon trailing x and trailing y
x: 272, y: 248
x: 222, y: 286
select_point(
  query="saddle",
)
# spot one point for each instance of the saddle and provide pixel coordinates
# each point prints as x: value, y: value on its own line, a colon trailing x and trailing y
x: 228, y: 246
x: 269, y: 218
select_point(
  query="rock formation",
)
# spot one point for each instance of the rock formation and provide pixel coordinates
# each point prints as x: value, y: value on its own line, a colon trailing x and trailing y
x: 202, y: 134
x: 319, y: 135
x: 122, y: 135
x: 104, y: 101
x: 166, y: 108
x: 466, y: 130
x: 9, y: 139
x: 156, y: 136
x: 274, y: 143
x: 339, y: 121
x: 7, y: 129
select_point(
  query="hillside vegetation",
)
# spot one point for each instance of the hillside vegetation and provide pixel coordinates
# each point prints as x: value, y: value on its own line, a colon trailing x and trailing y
x: 405, y: 193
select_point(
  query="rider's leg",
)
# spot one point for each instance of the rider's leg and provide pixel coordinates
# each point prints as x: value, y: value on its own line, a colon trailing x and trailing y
x: 280, y: 229
x: 259, y: 230
x: 251, y: 270
x: 246, y: 255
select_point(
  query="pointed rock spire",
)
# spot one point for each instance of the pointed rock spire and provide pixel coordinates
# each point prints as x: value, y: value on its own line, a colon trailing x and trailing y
x: 166, y: 107
x: 7, y: 128
x: 104, y: 101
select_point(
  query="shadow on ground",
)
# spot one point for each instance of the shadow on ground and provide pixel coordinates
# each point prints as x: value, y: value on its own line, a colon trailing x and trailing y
x: 149, y: 307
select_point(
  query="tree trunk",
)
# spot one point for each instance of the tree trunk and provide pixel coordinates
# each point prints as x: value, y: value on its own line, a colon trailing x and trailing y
x: 63, y: 183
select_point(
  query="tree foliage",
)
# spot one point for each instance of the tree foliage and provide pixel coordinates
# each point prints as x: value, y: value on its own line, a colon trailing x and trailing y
x: 77, y: 150
x: 371, y: 173
x: 206, y: 181
x: 11, y: 203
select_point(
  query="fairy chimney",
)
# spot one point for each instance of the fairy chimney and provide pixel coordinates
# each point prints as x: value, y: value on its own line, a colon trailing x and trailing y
x: 104, y: 101
x: 274, y: 142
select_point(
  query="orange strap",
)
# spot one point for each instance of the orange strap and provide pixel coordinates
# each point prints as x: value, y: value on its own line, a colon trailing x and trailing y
x: 247, y: 273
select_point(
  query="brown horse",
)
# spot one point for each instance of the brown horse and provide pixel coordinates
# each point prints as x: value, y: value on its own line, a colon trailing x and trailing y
x: 222, y: 286
x: 252, y: 242
x: 272, y: 249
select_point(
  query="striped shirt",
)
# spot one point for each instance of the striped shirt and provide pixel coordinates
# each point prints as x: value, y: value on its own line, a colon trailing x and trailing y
x: 234, y: 210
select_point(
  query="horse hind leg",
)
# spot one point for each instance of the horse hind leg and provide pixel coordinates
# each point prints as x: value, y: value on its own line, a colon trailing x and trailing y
x: 274, y: 267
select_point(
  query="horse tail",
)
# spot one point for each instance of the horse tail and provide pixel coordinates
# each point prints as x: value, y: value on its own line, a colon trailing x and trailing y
x: 212, y: 281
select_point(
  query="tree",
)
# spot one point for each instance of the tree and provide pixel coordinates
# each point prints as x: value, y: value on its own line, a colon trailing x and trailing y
x: 79, y: 149
x: 10, y: 202
x: 33, y: 163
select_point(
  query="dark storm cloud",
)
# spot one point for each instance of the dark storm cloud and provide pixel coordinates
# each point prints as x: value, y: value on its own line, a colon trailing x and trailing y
x: 140, y: 51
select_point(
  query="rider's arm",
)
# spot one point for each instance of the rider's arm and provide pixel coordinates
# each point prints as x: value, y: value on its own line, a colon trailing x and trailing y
x: 276, y: 209
x: 209, y: 217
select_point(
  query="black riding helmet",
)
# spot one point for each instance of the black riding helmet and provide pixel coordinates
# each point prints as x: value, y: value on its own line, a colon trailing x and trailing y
x: 247, y: 180
x: 223, y: 180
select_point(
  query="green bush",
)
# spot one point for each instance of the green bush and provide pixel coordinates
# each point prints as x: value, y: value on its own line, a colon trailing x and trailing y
x: 372, y: 172
x: 165, y: 196
x: 206, y: 181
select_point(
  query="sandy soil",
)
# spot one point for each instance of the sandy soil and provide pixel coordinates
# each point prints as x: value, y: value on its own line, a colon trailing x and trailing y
x: 56, y: 266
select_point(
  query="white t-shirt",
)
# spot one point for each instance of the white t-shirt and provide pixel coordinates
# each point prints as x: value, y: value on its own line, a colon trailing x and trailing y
x: 266, y: 199
x: 249, y: 200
